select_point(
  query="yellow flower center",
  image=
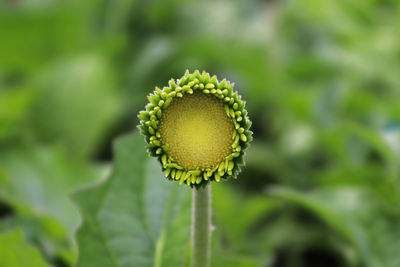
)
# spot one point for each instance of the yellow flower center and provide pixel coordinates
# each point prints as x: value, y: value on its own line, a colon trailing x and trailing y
x: 197, y: 131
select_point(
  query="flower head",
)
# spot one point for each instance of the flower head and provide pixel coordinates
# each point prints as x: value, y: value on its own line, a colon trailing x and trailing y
x: 198, y: 128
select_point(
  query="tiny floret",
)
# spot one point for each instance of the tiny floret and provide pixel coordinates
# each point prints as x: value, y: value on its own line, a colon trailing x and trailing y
x: 198, y: 129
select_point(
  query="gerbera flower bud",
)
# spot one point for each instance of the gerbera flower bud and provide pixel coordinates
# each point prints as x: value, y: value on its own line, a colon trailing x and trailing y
x: 198, y: 128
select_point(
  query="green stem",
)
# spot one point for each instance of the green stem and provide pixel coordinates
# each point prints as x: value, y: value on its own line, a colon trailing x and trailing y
x: 201, y: 224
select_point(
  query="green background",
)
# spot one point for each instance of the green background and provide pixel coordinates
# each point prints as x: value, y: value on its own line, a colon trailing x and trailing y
x: 321, y: 80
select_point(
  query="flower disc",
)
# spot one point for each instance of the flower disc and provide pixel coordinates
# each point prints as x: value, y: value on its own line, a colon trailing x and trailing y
x: 198, y: 128
x: 197, y: 131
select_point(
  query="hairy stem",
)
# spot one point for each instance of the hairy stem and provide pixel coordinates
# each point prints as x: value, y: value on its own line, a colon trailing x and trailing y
x: 201, y: 224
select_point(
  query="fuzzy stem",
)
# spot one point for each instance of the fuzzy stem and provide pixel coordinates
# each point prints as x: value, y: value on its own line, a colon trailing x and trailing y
x: 201, y: 224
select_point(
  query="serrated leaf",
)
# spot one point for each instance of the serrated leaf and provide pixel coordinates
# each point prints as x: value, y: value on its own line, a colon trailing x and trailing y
x: 16, y: 252
x: 136, y: 217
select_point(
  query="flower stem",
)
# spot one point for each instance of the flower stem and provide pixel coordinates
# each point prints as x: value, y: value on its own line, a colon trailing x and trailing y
x: 201, y: 224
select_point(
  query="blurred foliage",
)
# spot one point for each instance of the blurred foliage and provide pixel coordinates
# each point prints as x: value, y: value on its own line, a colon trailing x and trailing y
x: 135, y: 218
x: 16, y: 252
x: 321, y: 79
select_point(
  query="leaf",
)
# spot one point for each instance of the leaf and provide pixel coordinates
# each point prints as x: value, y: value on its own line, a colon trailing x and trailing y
x: 35, y: 181
x: 232, y: 242
x: 357, y: 215
x: 16, y: 252
x: 234, y: 260
x: 49, y: 31
x: 82, y: 109
x: 14, y: 107
x: 136, y: 217
x: 228, y: 203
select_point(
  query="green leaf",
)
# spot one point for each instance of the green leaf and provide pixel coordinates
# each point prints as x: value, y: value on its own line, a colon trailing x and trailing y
x: 82, y: 109
x: 35, y: 181
x: 235, y: 260
x: 232, y: 242
x: 16, y: 252
x: 136, y: 217
x: 358, y: 215
x: 228, y: 203
x: 14, y: 107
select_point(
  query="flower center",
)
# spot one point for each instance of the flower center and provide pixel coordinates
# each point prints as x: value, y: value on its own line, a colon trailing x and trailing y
x: 197, y: 131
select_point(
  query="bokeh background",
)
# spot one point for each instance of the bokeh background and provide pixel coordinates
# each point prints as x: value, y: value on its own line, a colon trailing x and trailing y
x: 322, y: 84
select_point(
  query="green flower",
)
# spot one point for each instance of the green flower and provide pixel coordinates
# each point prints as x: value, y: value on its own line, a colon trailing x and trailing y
x: 198, y: 128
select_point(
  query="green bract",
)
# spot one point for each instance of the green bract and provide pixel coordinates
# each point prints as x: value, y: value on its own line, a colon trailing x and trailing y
x: 198, y: 128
